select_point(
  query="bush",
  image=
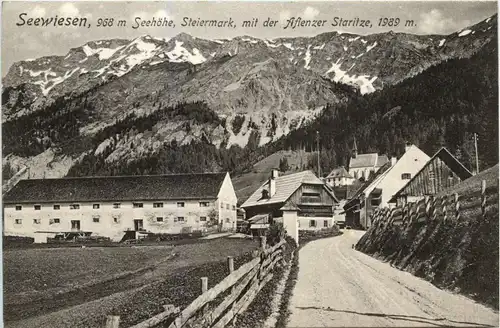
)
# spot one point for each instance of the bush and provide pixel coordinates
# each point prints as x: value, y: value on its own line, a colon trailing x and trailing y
x: 308, y: 235
x: 275, y: 233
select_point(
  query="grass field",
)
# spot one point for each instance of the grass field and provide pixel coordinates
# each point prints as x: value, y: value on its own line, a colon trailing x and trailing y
x: 42, y: 286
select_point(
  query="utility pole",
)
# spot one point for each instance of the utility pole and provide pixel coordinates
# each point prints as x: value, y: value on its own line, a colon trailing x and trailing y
x: 477, y: 158
x: 317, y: 148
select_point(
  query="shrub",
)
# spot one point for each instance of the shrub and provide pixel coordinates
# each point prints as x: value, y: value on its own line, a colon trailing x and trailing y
x: 308, y: 235
x: 275, y: 233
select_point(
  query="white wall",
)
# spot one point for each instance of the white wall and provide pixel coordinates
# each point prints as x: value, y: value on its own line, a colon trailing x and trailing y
x: 411, y: 162
x: 125, y: 215
x: 304, y: 222
x: 227, y: 204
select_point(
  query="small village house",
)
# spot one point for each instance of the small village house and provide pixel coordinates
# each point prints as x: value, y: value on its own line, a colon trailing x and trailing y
x: 441, y: 172
x: 381, y: 187
x: 111, y: 206
x: 362, y: 165
x: 302, y: 193
x: 339, y: 177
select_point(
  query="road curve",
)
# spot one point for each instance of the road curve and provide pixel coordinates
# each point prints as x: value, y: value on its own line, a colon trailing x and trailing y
x: 338, y: 286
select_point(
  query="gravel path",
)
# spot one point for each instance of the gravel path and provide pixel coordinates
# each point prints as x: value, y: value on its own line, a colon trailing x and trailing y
x: 338, y: 286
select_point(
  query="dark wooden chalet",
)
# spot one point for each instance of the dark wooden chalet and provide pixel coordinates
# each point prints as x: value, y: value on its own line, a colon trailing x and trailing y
x: 441, y: 172
x: 303, y: 190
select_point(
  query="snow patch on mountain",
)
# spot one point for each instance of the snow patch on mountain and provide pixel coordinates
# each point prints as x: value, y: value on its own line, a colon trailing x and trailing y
x: 464, y: 33
x: 354, y: 39
x: 441, y: 43
x: 104, y: 53
x: 368, y: 48
x: 180, y: 54
x: 364, y: 83
x: 307, y: 58
x: 319, y: 47
x: 288, y: 45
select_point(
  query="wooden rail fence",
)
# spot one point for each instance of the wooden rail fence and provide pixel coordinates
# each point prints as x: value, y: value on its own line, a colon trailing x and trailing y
x: 448, y: 207
x: 242, y: 284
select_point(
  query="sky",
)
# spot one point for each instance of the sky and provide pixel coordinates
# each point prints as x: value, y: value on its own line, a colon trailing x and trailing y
x: 28, y: 42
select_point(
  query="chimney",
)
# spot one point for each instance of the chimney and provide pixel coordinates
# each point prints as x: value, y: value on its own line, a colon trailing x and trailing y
x: 272, y: 182
x: 407, y: 146
x: 393, y: 160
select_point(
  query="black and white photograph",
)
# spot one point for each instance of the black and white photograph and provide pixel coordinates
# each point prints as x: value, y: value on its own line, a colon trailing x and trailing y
x: 241, y: 164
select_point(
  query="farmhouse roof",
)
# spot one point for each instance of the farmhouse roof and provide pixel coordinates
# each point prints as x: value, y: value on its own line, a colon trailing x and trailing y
x: 117, y: 188
x: 339, y: 172
x: 451, y: 161
x: 377, y: 175
x: 286, y: 185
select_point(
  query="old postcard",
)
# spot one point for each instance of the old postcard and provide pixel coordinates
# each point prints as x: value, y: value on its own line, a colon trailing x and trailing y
x: 257, y: 164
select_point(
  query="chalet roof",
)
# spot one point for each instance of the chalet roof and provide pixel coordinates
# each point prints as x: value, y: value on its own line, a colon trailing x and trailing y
x: 374, y: 177
x: 117, y: 188
x: 339, y: 172
x: 451, y: 161
x: 286, y: 185
x: 368, y: 160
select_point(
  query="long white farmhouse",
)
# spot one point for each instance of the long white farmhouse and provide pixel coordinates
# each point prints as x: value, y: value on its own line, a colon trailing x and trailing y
x: 111, y: 206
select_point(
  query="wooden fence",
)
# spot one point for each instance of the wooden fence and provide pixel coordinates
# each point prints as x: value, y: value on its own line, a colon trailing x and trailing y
x: 242, y: 284
x: 446, y: 208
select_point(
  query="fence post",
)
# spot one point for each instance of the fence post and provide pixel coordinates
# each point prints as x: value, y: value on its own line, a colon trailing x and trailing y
x: 263, y: 242
x: 230, y: 265
x: 444, y: 201
x: 112, y: 321
x: 204, y: 285
x: 457, y: 207
x: 483, y: 198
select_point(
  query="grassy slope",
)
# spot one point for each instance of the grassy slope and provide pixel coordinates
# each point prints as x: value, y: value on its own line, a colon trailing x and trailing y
x: 64, y: 268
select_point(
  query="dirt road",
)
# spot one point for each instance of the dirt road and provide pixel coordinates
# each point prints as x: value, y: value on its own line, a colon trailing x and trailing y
x: 338, y: 286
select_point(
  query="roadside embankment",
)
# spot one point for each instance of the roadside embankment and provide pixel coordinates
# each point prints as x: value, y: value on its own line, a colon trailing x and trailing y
x: 454, y: 247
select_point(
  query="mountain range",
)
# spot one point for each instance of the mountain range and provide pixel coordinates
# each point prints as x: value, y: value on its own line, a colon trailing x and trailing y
x: 129, y: 98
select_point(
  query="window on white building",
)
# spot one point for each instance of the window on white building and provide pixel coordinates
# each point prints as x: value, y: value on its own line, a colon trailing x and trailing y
x: 116, y: 220
x: 312, y: 223
x: 159, y: 219
x: 138, y: 205
x: 96, y: 206
x: 54, y: 221
x: 325, y: 223
x: 57, y: 207
x: 117, y: 205
x: 234, y: 207
x: 19, y: 207
x: 406, y: 176
x: 37, y: 207
x: 74, y: 206
x: 203, y: 218
x: 204, y: 204
x: 180, y: 204
x: 222, y: 205
x: 180, y: 219
x: 227, y: 206
x: 157, y: 205
x: 37, y: 221
x: 18, y: 221
x: 95, y: 220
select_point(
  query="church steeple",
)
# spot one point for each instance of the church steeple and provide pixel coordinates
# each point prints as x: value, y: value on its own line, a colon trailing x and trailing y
x: 354, y: 149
